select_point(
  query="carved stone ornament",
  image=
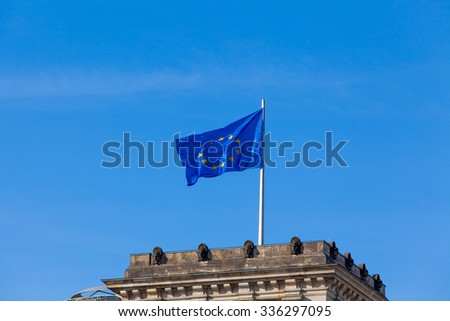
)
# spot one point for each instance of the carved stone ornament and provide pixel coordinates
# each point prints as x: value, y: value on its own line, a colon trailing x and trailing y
x: 249, y: 249
x: 377, y: 283
x: 296, y: 246
x: 334, y: 251
x: 348, y: 261
x: 363, y: 272
x: 203, y: 253
x: 158, y: 256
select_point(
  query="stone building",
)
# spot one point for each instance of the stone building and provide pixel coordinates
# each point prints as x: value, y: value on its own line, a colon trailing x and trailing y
x: 295, y: 271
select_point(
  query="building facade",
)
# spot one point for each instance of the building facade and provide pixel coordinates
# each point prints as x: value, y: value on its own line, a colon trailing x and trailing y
x: 294, y: 271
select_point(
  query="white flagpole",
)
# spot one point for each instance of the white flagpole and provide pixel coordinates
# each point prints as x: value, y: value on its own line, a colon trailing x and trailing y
x: 261, y: 183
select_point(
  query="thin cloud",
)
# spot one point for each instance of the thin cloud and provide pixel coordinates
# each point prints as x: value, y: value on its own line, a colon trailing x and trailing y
x: 100, y: 83
x: 80, y: 83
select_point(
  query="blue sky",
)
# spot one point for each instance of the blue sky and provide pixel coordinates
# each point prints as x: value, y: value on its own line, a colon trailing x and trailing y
x: 76, y: 75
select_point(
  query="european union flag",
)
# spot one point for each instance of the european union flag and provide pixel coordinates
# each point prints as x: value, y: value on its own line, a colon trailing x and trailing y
x: 235, y: 147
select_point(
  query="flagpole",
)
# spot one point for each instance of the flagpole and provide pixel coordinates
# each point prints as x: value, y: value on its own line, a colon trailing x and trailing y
x: 261, y: 182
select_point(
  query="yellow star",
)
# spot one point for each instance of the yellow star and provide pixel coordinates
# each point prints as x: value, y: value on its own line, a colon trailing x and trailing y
x: 231, y: 158
x: 204, y: 161
x: 214, y: 167
x: 223, y: 164
x: 230, y: 136
x: 237, y: 151
x: 200, y: 155
x: 221, y: 138
x: 238, y: 140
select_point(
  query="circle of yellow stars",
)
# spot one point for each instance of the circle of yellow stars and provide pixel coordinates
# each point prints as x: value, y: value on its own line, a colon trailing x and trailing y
x: 231, y: 158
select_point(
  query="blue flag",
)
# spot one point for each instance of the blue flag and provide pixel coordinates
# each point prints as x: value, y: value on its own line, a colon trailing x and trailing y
x: 235, y: 147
